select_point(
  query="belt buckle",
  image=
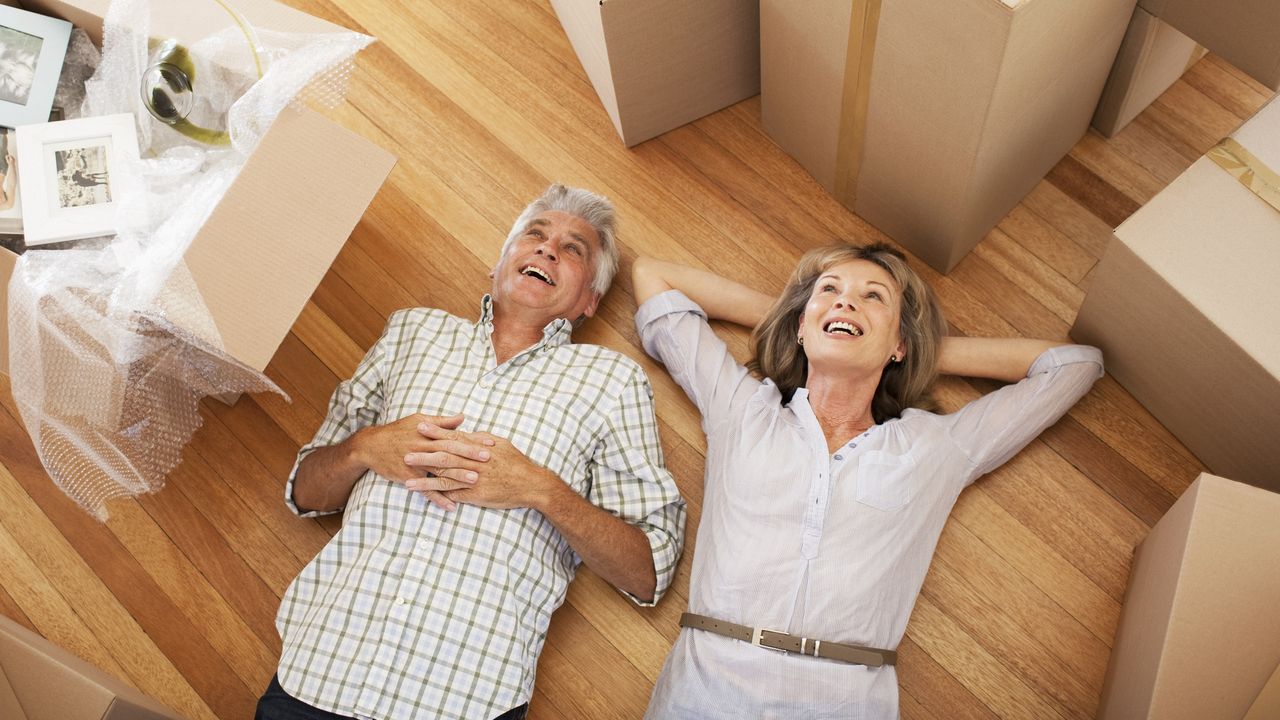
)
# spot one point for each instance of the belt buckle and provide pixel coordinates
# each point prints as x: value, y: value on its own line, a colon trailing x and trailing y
x: 757, y: 634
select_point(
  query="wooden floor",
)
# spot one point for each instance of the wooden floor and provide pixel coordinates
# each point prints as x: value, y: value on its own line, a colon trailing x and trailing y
x: 485, y: 104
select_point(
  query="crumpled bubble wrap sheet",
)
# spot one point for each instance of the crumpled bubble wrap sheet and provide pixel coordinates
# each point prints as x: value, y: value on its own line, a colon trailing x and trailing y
x: 111, y: 347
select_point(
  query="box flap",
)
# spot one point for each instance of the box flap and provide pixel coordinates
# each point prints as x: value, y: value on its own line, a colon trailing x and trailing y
x: 266, y: 246
x: 186, y: 21
x: 1267, y: 705
x: 10, y: 708
x: 1207, y: 215
x: 54, y: 684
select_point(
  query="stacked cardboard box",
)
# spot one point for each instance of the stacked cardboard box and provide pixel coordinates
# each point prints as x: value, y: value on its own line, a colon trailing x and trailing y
x: 41, y: 681
x: 1185, y: 305
x: 658, y: 64
x: 267, y: 244
x: 1199, y: 635
x: 933, y: 120
x: 1166, y: 37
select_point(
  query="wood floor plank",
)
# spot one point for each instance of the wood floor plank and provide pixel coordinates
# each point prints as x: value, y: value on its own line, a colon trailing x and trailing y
x: 1091, y: 191
x: 933, y: 687
x: 1042, y: 240
x: 163, y: 622
x: 485, y: 104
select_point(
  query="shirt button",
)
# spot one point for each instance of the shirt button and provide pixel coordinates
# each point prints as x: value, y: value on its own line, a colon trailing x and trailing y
x: 486, y: 384
x: 839, y: 457
x: 853, y: 445
x: 422, y: 544
x: 401, y: 601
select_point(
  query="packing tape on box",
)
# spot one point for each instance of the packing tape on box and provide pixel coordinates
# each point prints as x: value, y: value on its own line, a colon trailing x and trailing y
x: 863, y: 23
x: 1248, y: 169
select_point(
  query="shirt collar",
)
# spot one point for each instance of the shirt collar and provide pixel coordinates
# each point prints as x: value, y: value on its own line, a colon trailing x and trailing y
x: 555, y: 333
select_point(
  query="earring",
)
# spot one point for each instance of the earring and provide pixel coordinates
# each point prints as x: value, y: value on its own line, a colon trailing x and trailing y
x: 800, y: 339
x: 893, y: 358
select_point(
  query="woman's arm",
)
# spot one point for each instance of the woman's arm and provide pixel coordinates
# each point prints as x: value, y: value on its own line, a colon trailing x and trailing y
x: 1006, y: 359
x: 720, y: 298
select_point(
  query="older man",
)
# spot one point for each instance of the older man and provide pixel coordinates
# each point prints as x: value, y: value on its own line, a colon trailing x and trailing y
x: 463, y: 527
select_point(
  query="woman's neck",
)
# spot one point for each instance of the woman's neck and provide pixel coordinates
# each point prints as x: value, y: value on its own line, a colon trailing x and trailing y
x: 842, y: 405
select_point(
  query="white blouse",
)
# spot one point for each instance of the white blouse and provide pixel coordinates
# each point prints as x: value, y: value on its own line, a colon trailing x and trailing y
x: 827, y: 546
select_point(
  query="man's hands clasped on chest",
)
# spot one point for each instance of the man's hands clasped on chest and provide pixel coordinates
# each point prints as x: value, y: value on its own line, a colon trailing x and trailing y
x: 431, y: 456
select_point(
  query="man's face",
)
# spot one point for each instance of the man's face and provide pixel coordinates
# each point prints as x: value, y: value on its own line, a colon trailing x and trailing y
x: 550, y: 266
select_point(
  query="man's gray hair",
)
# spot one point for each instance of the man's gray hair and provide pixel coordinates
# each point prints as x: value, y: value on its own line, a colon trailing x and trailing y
x: 595, y: 209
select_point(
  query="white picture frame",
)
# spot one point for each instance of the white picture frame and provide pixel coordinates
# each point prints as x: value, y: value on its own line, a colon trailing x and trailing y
x: 10, y: 198
x: 32, y: 49
x: 72, y: 173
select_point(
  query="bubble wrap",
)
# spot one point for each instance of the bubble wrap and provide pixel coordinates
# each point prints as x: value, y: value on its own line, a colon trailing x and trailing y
x: 110, y: 346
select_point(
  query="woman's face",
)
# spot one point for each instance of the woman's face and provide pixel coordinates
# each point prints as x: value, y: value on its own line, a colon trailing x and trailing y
x: 851, y: 320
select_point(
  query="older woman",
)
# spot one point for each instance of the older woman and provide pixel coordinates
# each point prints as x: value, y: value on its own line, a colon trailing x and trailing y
x: 827, y: 479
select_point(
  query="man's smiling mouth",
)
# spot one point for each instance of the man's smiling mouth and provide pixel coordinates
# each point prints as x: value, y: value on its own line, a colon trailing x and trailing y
x: 535, y: 272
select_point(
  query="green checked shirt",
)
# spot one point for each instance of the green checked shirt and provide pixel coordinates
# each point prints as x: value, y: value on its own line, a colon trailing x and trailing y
x: 411, y: 611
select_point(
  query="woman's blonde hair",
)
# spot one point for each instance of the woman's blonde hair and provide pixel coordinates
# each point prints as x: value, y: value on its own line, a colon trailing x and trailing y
x: 903, y: 384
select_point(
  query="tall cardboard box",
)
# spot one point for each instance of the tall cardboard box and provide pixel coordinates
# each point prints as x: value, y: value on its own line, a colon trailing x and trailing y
x: 1164, y: 33
x: 267, y: 244
x: 1245, y: 33
x: 933, y: 120
x: 41, y: 681
x: 659, y: 64
x: 1152, y: 57
x: 1185, y: 305
x: 1199, y: 635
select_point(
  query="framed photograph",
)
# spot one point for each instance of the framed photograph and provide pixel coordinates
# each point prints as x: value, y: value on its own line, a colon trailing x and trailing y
x: 31, y: 51
x: 71, y: 174
x: 10, y: 204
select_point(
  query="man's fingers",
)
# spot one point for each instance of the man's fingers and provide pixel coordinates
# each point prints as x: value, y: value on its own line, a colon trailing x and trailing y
x: 439, y: 500
x: 438, y: 483
x: 438, y: 461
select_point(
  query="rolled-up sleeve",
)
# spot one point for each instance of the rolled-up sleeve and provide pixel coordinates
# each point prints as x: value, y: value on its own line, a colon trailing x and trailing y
x: 674, y: 331
x: 993, y: 428
x: 630, y: 480
x: 356, y: 403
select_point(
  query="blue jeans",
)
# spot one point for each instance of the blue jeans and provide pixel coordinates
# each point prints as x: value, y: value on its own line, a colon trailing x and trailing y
x: 276, y: 704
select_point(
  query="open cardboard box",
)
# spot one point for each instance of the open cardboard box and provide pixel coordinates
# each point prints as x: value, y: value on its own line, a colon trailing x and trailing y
x: 933, y: 120
x: 41, y: 681
x: 658, y: 64
x: 1185, y: 306
x: 273, y: 236
x: 1199, y: 635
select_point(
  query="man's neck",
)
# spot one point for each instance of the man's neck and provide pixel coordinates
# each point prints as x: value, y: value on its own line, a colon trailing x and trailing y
x: 513, y: 333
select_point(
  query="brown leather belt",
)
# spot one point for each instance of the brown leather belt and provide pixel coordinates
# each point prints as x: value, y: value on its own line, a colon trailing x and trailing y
x: 786, y: 642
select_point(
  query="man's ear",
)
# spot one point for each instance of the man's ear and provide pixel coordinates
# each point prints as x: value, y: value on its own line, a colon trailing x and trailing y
x: 594, y: 303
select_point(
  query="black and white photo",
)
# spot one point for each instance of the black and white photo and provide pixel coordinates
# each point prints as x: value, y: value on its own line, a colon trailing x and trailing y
x: 32, y: 49
x: 70, y: 175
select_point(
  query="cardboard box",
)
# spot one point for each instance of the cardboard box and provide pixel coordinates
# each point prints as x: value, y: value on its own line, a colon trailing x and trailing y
x: 271, y: 239
x: 933, y: 120
x: 1199, y: 634
x: 41, y: 681
x: 1242, y: 32
x: 1152, y: 57
x: 1185, y: 306
x: 658, y: 64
